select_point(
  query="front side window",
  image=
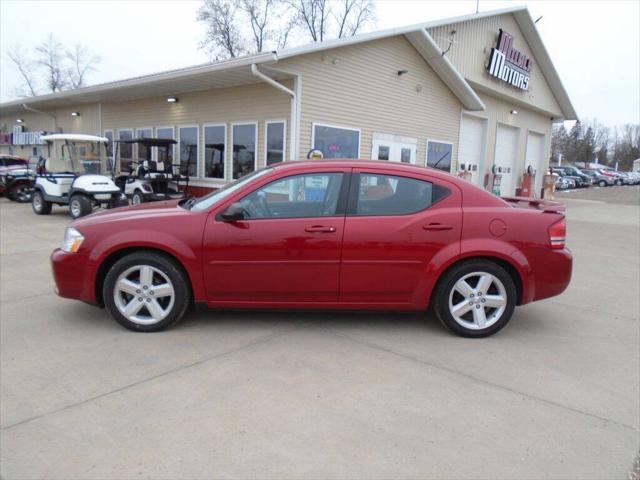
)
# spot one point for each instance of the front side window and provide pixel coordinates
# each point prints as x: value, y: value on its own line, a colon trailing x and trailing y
x: 244, y: 149
x: 439, y: 155
x: 188, y: 154
x: 335, y: 142
x: 393, y: 195
x: 298, y: 196
x: 126, y: 149
x: 214, y: 149
x: 165, y: 155
x: 142, y: 149
x: 275, y: 142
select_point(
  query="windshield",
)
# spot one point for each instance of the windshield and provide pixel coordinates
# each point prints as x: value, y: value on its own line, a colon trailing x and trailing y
x: 214, y: 197
x: 81, y: 157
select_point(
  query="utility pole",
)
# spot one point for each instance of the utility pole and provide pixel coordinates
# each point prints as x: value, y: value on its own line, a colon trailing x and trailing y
x: 477, y: 6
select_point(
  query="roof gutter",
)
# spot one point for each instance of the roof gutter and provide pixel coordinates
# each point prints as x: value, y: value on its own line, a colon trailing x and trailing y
x: 295, y: 116
x: 31, y: 109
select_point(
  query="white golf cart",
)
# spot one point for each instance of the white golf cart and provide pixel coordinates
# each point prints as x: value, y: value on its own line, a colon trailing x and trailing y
x: 151, y: 180
x: 75, y: 173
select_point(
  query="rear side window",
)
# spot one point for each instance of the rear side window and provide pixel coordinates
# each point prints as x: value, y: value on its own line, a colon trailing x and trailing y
x: 392, y: 195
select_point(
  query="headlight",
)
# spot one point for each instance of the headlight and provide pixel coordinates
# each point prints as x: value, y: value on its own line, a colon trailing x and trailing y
x: 72, y: 240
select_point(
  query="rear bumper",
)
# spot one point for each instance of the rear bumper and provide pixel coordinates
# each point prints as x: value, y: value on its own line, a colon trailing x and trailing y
x: 554, y: 275
x: 71, y: 275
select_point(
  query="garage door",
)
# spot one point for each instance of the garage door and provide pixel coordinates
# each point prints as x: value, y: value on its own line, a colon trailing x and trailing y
x: 535, y: 157
x: 506, y: 157
x: 473, y: 139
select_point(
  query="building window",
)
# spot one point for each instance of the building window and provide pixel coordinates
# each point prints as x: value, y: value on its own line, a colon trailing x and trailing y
x: 336, y: 142
x: 126, y: 149
x: 165, y: 155
x: 439, y: 155
x: 244, y: 149
x: 214, y: 150
x: 142, y: 150
x: 274, y: 142
x: 188, y: 154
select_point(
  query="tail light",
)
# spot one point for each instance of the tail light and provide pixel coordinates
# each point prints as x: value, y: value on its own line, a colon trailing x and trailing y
x: 558, y: 234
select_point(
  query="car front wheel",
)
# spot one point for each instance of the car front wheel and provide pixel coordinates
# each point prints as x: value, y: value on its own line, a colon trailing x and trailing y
x: 20, y: 192
x: 79, y: 206
x: 475, y: 298
x: 39, y: 204
x: 137, y: 198
x: 146, y: 292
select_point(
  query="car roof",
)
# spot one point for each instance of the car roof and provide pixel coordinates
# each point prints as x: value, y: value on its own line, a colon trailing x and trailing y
x: 355, y: 163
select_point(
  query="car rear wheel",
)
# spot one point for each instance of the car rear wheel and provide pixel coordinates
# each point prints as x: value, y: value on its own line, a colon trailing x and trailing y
x: 602, y: 183
x: 79, y: 206
x: 146, y: 292
x: 20, y: 192
x: 39, y: 204
x: 475, y: 298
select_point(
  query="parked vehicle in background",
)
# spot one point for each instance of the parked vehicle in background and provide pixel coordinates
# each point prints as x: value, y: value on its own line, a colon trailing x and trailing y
x: 635, y: 176
x: 563, y: 183
x: 9, y: 163
x: 599, y: 179
x: 17, y: 183
x: 573, y: 182
x: 610, y: 172
x: 627, y: 178
x: 347, y: 234
x: 584, y: 179
x: 154, y: 180
x: 74, y: 175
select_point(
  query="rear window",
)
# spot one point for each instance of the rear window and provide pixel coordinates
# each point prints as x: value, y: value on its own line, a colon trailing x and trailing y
x: 393, y: 195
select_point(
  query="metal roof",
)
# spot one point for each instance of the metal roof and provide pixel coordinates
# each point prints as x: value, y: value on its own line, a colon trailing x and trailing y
x: 237, y: 71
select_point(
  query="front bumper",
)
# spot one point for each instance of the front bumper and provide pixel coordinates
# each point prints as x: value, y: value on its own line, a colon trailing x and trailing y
x: 71, y: 273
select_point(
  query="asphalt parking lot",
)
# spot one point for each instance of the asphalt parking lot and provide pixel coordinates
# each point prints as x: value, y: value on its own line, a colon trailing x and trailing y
x: 325, y: 395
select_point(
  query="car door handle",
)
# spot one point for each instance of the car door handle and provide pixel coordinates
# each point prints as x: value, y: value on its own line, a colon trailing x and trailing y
x: 320, y: 229
x: 437, y: 226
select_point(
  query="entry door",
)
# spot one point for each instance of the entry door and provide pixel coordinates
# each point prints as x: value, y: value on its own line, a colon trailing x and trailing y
x: 394, y: 227
x: 535, y: 157
x: 472, y: 150
x: 285, y: 250
x: 506, y: 157
x: 394, y: 148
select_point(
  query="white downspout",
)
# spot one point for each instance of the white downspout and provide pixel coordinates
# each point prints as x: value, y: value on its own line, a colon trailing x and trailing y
x: 293, y: 142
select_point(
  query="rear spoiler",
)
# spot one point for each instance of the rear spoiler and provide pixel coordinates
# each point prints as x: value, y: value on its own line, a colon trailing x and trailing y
x: 548, y: 206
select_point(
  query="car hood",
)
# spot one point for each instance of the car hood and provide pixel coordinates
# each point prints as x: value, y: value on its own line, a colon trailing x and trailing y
x: 136, y: 213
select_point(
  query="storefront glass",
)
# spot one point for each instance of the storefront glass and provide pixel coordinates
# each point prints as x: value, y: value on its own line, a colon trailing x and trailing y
x: 244, y: 149
x: 214, y: 150
x: 336, y: 142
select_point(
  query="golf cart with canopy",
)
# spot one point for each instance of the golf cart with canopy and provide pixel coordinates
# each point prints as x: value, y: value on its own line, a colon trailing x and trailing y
x: 75, y: 173
x: 152, y: 180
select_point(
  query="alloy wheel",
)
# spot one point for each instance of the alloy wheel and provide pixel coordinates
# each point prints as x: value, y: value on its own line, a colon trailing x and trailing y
x: 477, y: 300
x: 144, y: 294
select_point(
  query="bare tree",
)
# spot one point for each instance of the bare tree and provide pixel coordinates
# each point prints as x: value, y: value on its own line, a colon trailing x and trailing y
x: 314, y: 16
x: 50, y: 57
x: 26, y: 67
x: 285, y: 31
x: 223, y: 37
x: 353, y: 15
x: 81, y: 63
x: 258, y: 12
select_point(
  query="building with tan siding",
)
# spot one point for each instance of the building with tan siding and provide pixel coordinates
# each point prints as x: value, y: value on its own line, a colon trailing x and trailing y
x: 477, y: 93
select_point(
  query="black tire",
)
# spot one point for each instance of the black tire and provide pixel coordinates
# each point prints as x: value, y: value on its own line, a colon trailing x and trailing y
x: 79, y: 206
x: 168, y: 266
x: 39, y: 205
x: 445, y: 288
x: 602, y: 183
x: 19, y: 192
x: 137, y: 198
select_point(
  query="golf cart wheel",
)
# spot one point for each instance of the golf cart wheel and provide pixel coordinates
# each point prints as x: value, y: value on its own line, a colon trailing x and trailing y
x: 20, y: 192
x: 146, y: 291
x: 79, y: 206
x: 475, y: 298
x: 602, y: 183
x: 137, y: 198
x: 39, y: 204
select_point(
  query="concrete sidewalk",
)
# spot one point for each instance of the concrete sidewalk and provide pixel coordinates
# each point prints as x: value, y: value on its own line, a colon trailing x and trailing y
x: 323, y: 395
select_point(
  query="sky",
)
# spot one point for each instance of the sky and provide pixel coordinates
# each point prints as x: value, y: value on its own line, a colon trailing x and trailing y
x: 595, y: 45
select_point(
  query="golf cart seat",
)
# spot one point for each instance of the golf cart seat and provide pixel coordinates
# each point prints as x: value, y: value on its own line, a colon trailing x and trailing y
x: 55, y: 165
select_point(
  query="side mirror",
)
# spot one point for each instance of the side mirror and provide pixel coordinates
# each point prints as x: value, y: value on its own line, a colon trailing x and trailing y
x: 233, y: 213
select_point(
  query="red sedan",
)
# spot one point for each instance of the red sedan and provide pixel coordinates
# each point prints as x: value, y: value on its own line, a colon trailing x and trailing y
x: 347, y: 235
